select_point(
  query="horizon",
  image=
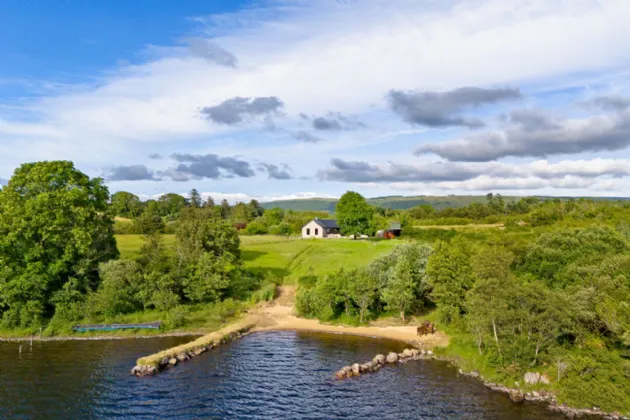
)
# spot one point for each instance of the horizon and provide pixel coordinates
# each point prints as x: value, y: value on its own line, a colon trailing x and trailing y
x: 286, y: 99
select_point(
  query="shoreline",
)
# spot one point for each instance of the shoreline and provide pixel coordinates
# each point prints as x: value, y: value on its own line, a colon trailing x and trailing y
x: 98, y: 337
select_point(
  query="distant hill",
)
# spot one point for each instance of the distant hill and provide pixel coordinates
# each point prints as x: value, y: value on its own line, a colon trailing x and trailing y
x: 399, y: 202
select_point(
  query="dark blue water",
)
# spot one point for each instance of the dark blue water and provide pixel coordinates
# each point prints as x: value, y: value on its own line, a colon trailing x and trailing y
x: 284, y: 375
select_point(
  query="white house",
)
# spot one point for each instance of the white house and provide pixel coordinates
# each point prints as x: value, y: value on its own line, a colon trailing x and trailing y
x: 321, y: 228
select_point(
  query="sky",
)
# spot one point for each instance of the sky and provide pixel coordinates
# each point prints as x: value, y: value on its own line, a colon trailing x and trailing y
x: 278, y: 99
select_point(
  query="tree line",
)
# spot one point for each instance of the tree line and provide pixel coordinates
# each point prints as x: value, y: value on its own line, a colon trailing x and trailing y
x: 558, y: 305
x: 59, y: 260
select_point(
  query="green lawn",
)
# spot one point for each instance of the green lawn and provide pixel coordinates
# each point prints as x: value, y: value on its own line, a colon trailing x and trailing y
x: 291, y: 259
x: 129, y: 245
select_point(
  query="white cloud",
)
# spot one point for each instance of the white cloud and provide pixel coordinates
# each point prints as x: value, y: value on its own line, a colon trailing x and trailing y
x: 316, y: 57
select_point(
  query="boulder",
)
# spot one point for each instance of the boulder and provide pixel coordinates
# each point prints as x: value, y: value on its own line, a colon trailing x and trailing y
x: 164, y: 362
x: 341, y: 374
x: 365, y: 368
x: 379, y: 359
x: 414, y: 352
x: 392, y: 357
x: 544, y: 379
x: 407, y: 353
x: 182, y: 357
x: 532, y: 378
x: 376, y: 367
x: 516, y: 396
x: 429, y: 353
x: 200, y: 350
x: 172, y: 361
x: 356, y: 369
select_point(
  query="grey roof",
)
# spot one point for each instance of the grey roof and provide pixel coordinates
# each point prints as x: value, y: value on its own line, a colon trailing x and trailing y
x: 327, y: 223
x: 394, y: 226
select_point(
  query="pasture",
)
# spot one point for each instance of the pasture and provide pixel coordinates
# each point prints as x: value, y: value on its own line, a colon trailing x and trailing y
x: 291, y: 259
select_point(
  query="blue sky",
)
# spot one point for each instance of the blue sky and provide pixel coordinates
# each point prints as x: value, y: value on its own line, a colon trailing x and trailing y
x: 294, y: 98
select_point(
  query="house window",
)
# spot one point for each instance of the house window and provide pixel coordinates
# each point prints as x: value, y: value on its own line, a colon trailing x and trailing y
x: 316, y: 231
x: 308, y: 231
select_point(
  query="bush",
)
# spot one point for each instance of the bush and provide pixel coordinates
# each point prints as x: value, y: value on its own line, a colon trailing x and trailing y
x: 124, y: 227
x: 177, y: 317
x: 256, y: 228
x: 266, y: 293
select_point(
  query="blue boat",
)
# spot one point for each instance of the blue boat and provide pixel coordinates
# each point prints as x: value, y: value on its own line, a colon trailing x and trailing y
x: 113, y: 327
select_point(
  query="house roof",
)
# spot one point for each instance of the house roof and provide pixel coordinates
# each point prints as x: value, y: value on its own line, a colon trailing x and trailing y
x: 327, y: 223
x: 394, y: 226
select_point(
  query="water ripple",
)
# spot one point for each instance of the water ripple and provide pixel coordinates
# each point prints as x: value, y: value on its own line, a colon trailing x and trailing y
x: 276, y: 375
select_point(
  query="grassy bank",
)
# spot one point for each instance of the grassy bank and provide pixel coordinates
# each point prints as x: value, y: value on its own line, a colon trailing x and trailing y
x: 197, y: 319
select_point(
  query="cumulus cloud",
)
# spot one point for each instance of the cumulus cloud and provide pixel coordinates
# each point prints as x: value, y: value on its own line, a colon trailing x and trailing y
x: 441, y: 109
x: 129, y: 173
x: 276, y: 172
x: 237, y: 110
x: 438, y: 172
x: 208, y: 166
x: 333, y: 121
x: 534, y: 134
x: 305, y: 136
x: 611, y: 103
x: 210, y: 51
x: 155, y: 156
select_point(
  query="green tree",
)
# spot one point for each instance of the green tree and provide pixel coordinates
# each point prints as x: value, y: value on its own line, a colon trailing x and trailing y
x: 118, y: 293
x: 226, y: 209
x: 194, y: 198
x: 212, y: 277
x: 255, y: 209
x: 488, y: 301
x: 55, y: 229
x: 126, y: 204
x: 148, y: 222
x: 170, y: 205
x: 200, y: 231
x: 450, y: 274
x: 209, y: 202
x: 363, y: 290
x: 354, y: 214
x: 399, y: 294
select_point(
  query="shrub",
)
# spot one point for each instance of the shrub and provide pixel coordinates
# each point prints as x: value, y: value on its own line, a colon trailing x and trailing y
x: 177, y: 317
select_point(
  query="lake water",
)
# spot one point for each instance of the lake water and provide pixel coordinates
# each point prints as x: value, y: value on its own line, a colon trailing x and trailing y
x: 265, y: 375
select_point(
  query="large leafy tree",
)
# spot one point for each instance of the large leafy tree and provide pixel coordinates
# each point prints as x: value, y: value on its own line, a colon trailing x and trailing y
x: 55, y: 229
x: 126, y: 204
x: 354, y: 214
x: 450, y: 275
x: 170, y: 205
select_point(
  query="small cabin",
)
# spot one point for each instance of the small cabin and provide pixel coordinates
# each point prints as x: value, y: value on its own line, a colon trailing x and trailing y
x: 321, y: 228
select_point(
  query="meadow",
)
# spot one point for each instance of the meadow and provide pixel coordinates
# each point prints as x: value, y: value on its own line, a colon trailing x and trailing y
x: 293, y: 260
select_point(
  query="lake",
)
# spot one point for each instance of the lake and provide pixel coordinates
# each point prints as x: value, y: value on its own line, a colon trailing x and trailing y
x: 264, y: 375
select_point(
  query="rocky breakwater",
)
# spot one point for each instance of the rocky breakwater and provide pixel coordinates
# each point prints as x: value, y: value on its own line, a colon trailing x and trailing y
x: 381, y: 360
x: 543, y: 396
x: 153, y: 364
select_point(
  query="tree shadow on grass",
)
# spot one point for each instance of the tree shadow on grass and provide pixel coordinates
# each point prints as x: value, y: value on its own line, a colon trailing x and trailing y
x: 307, y: 281
x: 278, y: 273
x: 250, y: 255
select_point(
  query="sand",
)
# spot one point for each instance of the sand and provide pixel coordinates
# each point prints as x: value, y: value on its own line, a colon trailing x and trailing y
x: 280, y: 315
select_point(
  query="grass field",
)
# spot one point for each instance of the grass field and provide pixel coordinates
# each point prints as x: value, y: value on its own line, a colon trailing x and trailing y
x: 287, y: 258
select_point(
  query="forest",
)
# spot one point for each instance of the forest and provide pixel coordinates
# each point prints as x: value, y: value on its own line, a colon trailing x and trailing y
x: 519, y: 285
